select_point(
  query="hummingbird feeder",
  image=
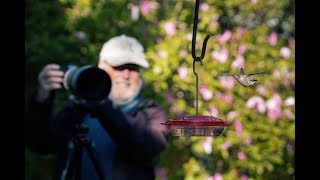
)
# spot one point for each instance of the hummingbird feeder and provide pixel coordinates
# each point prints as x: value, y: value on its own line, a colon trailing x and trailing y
x: 197, y: 125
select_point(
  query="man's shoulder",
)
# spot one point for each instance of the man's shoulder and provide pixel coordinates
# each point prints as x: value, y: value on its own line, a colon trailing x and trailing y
x: 147, y: 103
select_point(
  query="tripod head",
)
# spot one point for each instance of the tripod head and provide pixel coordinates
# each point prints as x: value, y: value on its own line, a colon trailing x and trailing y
x: 79, y: 107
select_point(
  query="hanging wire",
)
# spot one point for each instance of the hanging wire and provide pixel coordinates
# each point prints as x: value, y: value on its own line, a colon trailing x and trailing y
x: 203, y: 51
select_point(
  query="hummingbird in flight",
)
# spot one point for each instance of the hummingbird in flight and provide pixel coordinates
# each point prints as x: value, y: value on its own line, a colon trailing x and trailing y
x: 246, y: 80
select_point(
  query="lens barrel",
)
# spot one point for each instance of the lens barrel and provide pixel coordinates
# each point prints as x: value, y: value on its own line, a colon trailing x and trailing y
x: 87, y: 82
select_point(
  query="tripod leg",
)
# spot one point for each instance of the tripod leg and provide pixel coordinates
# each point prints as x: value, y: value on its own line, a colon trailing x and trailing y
x: 66, y: 172
x: 78, y: 160
x: 94, y: 159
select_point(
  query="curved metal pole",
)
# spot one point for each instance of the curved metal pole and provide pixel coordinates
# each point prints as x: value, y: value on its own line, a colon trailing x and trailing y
x: 194, y: 72
x: 194, y: 32
x: 203, y: 51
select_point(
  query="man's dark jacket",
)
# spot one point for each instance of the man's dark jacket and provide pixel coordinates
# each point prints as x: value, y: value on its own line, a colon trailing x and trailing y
x: 138, y: 135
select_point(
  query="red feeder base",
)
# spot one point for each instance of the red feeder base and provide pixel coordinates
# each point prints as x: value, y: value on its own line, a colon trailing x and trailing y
x: 196, y: 126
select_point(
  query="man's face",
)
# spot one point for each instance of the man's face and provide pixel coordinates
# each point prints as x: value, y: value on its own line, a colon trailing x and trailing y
x: 126, y: 82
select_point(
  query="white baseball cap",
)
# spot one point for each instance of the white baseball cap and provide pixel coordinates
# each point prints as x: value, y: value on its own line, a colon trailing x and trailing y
x: 122, y: 50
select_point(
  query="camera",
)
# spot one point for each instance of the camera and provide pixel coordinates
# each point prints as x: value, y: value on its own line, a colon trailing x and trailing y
x: 87, y: 82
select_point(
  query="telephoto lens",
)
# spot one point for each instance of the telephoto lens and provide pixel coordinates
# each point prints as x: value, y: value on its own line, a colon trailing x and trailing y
x: 87, y: 82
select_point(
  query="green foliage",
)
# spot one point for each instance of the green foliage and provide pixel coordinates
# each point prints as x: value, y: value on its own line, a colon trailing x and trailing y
x: 261, y: 146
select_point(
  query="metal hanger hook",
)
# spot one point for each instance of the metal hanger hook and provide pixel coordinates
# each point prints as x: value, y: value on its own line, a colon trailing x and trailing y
x: 203, y: 50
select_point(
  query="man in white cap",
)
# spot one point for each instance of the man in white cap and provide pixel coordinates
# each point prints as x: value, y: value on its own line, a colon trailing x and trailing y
x: 123, y: 58
x: 126, y: 130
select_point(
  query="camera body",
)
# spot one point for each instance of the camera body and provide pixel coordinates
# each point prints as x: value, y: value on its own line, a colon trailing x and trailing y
x: 87, y: 82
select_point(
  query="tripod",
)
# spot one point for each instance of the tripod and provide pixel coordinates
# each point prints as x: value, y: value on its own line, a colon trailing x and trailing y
x: 78, y: 143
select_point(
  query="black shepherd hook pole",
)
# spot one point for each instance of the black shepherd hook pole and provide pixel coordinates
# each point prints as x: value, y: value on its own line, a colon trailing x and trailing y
x: 203, y: 51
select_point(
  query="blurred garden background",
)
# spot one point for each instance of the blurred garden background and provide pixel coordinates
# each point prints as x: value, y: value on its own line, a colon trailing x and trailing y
x: 258, y: 35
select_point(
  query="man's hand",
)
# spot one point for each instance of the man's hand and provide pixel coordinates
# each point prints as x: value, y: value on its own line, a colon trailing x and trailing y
x: 50, y: 78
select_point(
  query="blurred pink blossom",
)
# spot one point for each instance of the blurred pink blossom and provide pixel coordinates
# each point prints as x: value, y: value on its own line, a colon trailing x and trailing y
x: 291, y: 43
x: 261, y: 90
x: 216, y: 176
x: 274, y: 106
x: 158, y: 39
x: 256, y: 103
x: 161, y: 174
x: 162, y: 54
x: 180, y: 94
x: 248, y: 141
x: 290, y: 101
x: 146, y: 7
x: 244, y: 177
x: 219, y: 95
x: 254, y: 1
x: 189, y: 37
x: 176, y: 111
x: 242, y: 49
x: 183, y: 53
x: 240, y: 31
x: 226, y: 145
x: 274, y: 113
x: 274, y: 101
x: 205, y: 92
x: 214, y: 22
x: 241, y: 155
x: 228, y: 99
x: 221, y: 56
x: 204, y: 6
x: 273, y: 39
x: 238, y: 62
x: 134, y: 12
x: 227, y: 82
x: 213, y: 111
x: 207, y: 145
x: 286, y: 79
x: 231, y: 115
x: 225, y: 37
x: 238, y: 127
x: 182, y: 72
x: 285, y: 52
x: 225, y: 97
x: 170, y: 28
x: 276, y: 73
x: 288, y: 113
x: 169, y: 97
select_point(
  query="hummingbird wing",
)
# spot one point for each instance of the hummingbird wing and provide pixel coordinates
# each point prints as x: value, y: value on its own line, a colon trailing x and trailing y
x: 254, y: 75
x: 241, y: 71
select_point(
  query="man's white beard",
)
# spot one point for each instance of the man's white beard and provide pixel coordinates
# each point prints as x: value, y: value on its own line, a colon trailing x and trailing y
x: 120, y: 94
